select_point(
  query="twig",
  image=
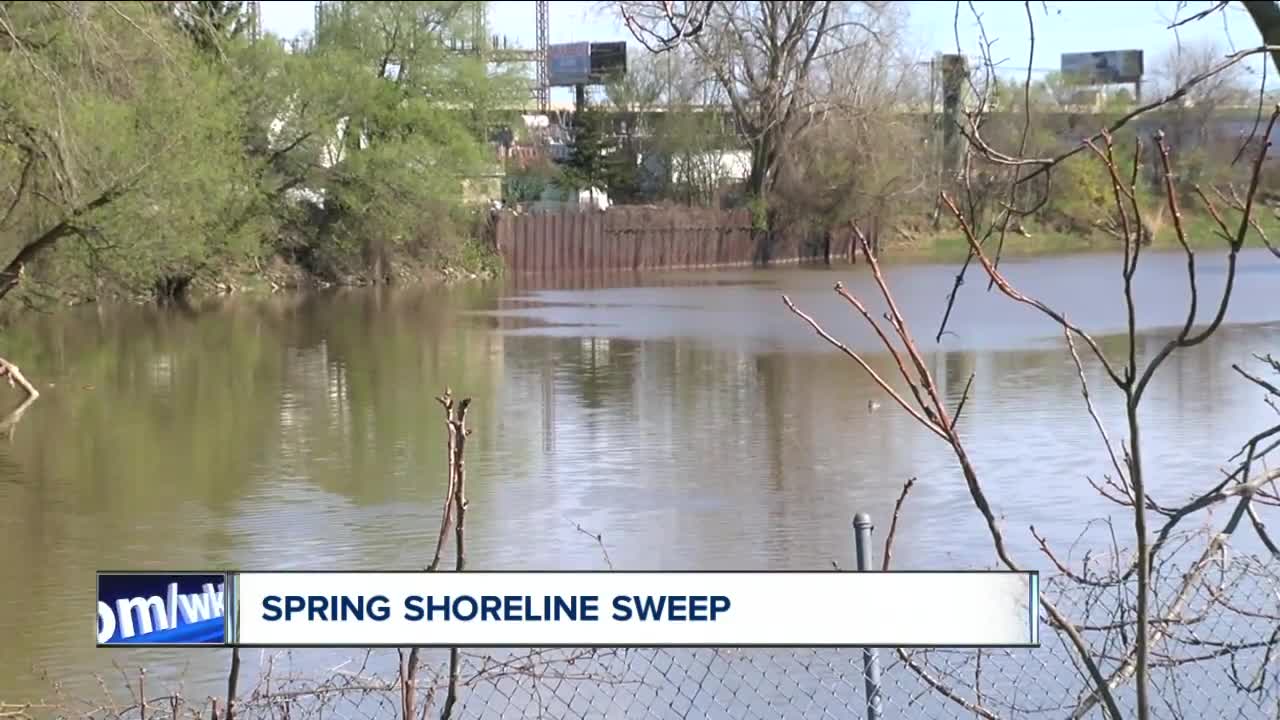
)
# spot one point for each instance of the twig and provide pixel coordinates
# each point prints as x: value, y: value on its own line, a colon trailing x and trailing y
x: 1215, y: 7
x: 458, y: 431
x: 1017, y: 296
x: 1084, y: 392
x: 1068, y: 572
x: 446, y: 515
x: 1272, y: 389
x: 1043, y: 165
x: 893, y: 524
x: 939, y: 422
x: 964, y: 397
x: 233, y: 679
x: 12, y: 374
x: 863, y: 363
x: 599, y: 538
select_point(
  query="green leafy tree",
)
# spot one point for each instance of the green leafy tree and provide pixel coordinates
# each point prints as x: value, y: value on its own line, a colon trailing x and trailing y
x: 382, y: 124
x: 589, y: 164
x: 211, y: 24
x: 117, y: 150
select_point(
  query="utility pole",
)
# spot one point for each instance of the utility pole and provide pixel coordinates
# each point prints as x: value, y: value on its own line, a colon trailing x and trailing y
x: 955, y: 72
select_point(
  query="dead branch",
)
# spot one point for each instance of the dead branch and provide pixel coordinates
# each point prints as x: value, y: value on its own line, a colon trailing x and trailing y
x: 1043, y: 165
x: 14, y: 376
x: 457, y: 419
x: 964, y: 396
x: 451, y: 490
x: 660, y: 27
x: 919, y: 670
x: 936, y: 419
x: 1271, y: 389
x: 455, y: 505
x: 893, y: 524
x: 863, y: 363
x: 1215, y: 7
x: 1131, y: 667
x: 599, y: 538
x: 233, y: 679
x: 1013, y: 294
x: 1184, y: 338
x: 1097, y: 422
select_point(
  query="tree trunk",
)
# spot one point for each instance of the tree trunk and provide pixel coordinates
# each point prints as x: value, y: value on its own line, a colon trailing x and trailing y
x: 12, y: 273
x: 1266, y: 15
x: 759, y: 169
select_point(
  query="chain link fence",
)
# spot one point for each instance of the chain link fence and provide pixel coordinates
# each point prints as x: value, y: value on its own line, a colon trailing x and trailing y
x: 1216, y: 659
x: 1213, y: 656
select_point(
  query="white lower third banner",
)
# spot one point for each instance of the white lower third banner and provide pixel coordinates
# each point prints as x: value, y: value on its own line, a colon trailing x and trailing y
x: 636, y: 609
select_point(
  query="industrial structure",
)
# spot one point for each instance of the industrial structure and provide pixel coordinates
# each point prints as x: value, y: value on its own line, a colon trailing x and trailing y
x: 254, y: 17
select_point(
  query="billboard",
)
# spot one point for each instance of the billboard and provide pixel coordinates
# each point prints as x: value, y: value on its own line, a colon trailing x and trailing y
x: 569, y: 64
x: 583, y: 63
x: 1101, y: 68
x: 608, y: 60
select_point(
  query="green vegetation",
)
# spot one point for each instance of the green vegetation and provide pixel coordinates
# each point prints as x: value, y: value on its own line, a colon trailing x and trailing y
x: 845, y: 127
x: 151, y: 148
x: 944, y: 246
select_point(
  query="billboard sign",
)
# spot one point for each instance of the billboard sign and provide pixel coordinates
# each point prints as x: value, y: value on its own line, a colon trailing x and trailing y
x: 569, y: 64
x: 1102, y: 68
x: 583, y: 63
x: 608, y: 60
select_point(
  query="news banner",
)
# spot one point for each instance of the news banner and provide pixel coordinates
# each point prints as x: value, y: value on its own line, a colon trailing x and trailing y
x: 568, y: 609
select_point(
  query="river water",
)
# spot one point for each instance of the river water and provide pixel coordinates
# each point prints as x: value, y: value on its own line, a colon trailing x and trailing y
x: 689, y: 419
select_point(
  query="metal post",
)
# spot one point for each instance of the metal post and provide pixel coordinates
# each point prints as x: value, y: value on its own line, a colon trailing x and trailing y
x: 870, y: 657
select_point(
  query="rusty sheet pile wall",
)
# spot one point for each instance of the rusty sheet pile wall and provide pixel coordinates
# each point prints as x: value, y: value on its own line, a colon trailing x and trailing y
x: 643, y: 238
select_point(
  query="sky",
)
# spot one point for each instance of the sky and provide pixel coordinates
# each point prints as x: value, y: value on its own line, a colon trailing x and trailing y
x: 1060, y: 27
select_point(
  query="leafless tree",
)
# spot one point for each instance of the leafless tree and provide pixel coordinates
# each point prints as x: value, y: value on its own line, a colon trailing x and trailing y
x: 664, y: 26
x: 861, y: 159
x: 1189, y: 119
x: 771, y: 59
x: 1146, y: 625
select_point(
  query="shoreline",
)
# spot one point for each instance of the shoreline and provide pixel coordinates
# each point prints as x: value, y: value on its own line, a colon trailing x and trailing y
x: 280, y: 277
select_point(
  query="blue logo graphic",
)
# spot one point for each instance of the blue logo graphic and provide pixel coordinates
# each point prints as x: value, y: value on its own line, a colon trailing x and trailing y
x: 161, y: 609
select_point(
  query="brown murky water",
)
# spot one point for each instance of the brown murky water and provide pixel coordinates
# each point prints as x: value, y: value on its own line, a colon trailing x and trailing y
x: 688, y: 418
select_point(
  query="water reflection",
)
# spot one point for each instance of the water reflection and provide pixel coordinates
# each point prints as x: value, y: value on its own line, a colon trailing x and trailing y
x: 693, y: 423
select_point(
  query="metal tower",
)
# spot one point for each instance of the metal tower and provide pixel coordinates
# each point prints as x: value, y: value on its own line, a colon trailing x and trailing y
x: 255, y: 20
x: 543, y: 90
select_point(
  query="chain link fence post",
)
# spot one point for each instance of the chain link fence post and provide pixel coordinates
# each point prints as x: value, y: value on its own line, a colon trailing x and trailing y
x: 870, y: 656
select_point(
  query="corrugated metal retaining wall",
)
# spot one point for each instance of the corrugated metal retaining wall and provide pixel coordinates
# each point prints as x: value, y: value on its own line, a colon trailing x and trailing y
x: 641, y: 238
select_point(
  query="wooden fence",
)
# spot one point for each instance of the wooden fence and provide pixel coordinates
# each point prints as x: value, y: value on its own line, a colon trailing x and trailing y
x: 643, y: 238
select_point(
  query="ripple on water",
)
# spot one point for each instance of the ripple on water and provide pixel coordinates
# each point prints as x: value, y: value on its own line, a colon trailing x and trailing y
x: 692, y: 424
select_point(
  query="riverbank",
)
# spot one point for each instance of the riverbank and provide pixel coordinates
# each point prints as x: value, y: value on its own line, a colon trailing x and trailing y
x: 1041, y: 240
x: 475, y: 259
x: 470, y: 261
x: 51, y: 286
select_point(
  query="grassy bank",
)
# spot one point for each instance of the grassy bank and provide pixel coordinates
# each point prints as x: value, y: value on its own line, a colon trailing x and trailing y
x: 1202, y: 233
